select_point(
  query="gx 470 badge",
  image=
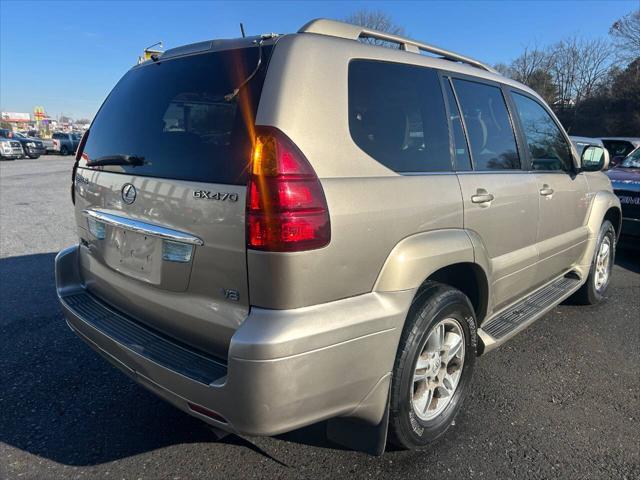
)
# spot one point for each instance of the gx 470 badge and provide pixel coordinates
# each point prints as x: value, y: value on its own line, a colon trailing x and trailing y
x: 222, y: 196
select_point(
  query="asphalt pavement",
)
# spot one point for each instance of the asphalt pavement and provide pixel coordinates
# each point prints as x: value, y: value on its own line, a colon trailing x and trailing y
x: 561, y: 400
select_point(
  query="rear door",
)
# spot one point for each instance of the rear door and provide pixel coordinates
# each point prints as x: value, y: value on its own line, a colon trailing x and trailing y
x: 562, y: 192
x: 500, y: 198
x: 160, y: 195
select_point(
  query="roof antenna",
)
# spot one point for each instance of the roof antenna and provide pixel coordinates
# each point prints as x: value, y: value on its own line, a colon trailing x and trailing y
x: 242, y: 30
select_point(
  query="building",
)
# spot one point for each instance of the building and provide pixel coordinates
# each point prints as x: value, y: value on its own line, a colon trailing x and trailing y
x: 17, y: 120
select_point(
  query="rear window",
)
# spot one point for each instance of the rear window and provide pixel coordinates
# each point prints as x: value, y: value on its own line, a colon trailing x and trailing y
x: 174, y: 115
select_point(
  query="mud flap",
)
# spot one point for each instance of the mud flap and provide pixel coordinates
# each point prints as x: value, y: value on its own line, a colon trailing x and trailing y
x: 358, y: 435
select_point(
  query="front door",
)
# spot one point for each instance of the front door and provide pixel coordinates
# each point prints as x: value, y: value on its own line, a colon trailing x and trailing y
x: 562, y: 230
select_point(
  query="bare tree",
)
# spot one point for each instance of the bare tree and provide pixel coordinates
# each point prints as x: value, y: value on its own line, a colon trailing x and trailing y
x: 626, y: 36
x: 529, y: 63
x: 578, y: 67
x: 564, y: 57
x: 595, y: 58
x: 532, y: 69
x: 376, y: 20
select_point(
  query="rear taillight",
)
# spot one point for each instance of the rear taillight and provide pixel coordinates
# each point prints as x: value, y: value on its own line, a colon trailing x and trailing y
x: 286, y: 207
x: 79, y: 155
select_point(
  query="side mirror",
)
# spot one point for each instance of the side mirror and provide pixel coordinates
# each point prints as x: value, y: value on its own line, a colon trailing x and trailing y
x: 594, y: 159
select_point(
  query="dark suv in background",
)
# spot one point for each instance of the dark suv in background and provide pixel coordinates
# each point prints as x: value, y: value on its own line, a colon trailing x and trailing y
x: 32, y: 147
x: 625, y: 180
x: 620, y: 147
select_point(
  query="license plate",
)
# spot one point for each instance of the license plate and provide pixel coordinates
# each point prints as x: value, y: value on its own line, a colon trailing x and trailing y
x: 134, y: 254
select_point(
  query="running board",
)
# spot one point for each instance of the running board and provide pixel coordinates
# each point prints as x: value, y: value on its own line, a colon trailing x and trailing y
x: 516, y: 318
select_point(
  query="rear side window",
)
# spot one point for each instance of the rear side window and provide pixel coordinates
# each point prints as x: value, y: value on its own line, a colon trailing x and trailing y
x: 491, y: 137
x: 174, y: 115
x: 397, y: 116
x: 548, y: 148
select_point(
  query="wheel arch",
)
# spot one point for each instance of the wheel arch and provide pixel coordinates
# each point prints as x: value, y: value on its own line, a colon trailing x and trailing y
x: 470, y: 279
x: 445, y: 256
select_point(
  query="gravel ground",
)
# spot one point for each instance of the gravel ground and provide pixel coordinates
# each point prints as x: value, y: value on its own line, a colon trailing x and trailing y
x: 561, y: 400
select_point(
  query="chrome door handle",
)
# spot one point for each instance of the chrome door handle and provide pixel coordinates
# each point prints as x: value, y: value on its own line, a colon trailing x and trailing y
x: 545, y: 191
x: 482, y: 198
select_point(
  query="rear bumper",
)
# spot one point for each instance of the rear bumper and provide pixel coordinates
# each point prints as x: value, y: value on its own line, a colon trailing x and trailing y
x: 285, y: 368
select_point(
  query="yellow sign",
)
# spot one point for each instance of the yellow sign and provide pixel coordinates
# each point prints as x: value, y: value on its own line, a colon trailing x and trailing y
x: 39, y: 113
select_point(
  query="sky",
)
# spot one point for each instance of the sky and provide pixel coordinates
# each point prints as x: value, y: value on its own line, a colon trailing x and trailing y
x: 66, y: 56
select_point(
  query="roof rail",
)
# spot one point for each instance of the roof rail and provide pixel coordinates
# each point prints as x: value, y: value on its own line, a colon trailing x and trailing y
x: 334, y: 28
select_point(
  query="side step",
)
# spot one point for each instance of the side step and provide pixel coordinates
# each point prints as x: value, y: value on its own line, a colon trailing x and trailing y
x: 519, y: 316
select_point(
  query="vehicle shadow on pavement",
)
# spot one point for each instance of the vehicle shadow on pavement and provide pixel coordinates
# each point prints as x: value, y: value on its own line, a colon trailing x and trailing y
x: 61, y: 401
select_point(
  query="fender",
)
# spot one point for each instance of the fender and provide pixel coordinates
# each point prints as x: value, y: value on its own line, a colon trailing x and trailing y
x: 416, y: 257
x: 601, y: 202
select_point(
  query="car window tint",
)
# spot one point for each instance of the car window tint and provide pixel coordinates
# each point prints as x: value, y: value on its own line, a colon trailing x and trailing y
x: 175, y: 114
x: 618, y: 147
x: 397, y: 116
x: 493, y: 143
x: 463, y: 161
x: 547, y: 145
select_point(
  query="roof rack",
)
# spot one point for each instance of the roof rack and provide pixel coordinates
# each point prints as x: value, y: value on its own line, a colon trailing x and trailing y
x: 334, y: 28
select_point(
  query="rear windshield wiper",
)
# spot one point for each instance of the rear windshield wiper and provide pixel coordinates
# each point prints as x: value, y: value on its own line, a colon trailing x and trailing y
x: 133, y: 160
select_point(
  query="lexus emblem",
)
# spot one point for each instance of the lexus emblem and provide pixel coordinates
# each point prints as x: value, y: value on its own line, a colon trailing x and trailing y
x: 129, y: 193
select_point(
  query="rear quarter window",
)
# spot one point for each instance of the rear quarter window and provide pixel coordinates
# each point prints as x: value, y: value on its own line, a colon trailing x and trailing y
x: 397, y: 116
x: 173, y: 114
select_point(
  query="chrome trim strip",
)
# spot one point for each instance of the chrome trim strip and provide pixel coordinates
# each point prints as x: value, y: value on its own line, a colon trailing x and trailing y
x: 143, y: 227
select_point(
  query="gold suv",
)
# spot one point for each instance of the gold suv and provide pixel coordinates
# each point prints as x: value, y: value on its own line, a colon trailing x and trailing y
x: 284, y: 229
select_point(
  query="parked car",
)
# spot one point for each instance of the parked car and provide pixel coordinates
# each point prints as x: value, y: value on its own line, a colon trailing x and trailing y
x: 32, y: 147
x: 620, y: 147
x: 625, y: 179
x: 336, y: 239
x: 10, y: 149
x: 64, y: 143
x: 580, y: 143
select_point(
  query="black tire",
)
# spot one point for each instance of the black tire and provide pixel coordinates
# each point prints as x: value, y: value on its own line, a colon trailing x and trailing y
x: 589, y: 293
x: 434, y: 303
x: 34, y: 157
x: 64, y: 150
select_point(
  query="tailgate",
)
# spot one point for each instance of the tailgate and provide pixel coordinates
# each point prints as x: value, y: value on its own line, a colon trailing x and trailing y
x: 160, y: 194
x: 174, y: 261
